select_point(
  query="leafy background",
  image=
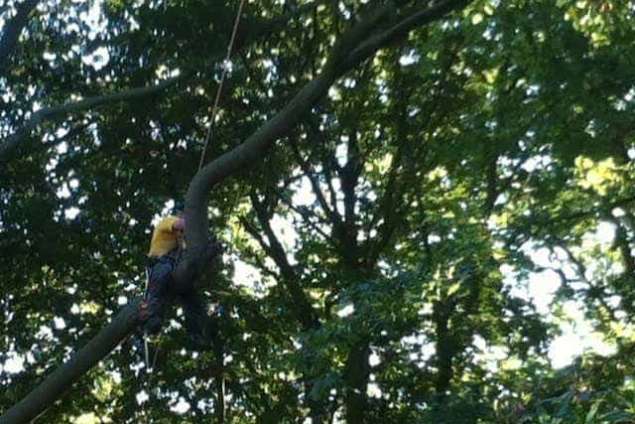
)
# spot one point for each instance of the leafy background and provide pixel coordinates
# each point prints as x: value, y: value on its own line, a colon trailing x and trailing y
x: 379, y: 259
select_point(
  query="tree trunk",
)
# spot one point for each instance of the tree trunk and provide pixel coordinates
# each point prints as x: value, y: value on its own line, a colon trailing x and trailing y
x: 357, y: 373
x: 12, y: 30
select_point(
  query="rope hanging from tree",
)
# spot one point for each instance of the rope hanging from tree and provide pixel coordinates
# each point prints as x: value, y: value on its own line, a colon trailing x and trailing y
x: 220, y: 84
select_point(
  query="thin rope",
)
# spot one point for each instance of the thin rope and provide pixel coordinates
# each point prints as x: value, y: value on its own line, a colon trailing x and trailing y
x: 220, y: 84
x: 146, y: 348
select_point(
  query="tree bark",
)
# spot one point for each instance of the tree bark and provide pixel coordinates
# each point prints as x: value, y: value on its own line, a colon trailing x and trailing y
x: 446, y: 349
x: 356, y: 375
x: 56, y: 384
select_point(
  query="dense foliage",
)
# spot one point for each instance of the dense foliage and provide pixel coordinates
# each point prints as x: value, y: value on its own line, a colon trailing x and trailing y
x: 378, y: 258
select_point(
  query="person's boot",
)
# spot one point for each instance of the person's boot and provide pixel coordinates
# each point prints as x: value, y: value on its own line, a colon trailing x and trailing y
x: 151, y: 312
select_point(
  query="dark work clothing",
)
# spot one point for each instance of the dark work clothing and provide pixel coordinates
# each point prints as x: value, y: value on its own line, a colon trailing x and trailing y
x: 157, y: 294
x: 162, y: 291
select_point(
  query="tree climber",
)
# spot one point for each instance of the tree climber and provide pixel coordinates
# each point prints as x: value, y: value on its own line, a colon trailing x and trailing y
x: 166, y: 247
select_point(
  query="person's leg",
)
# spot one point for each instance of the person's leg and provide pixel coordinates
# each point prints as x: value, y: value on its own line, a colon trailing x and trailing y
x: 198, y: 324
x: 159, y: 280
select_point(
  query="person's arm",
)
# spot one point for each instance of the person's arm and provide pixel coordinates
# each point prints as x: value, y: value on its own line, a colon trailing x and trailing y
x: 179, y: 225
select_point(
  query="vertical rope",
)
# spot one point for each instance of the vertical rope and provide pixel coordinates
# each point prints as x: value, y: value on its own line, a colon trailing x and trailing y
x: 220, y: 84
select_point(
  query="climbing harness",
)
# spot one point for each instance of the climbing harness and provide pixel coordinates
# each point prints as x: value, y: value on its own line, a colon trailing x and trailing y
x: 220, y: 84
x: 145, y: 333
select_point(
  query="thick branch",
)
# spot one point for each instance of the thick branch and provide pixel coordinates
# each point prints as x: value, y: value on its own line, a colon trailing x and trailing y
x: 254, y: 148
x: 251, y: 33
x: 304, y: 310
x: 256, y: 145
x: 51, y: 112
x: 246, y: 154
x: 356, y: 374
x: 315, y: 186
x: 446, y: 348
x: 400, y: 30
x: 349, y: 176
x: 54, y: 386
x: 12, y: 31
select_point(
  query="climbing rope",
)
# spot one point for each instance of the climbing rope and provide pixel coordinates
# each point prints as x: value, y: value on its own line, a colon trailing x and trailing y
x: 146, y: 347
x: 220, y: 84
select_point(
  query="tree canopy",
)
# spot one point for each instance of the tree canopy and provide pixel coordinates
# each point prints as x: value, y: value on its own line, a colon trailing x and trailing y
x: 391, y: 180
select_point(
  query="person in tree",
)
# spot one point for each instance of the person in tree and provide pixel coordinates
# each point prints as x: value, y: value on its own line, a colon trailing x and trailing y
x: 166, y: 247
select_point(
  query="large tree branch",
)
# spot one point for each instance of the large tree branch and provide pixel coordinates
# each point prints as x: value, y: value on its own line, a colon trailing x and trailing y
x: 252, y: 33
x: 54, y: 386
x: 349, y: 177
x: 356, y: 374
x: 254, y: 148
x: 12, y: 31
x: 257, y: 144
x: 48, y: 113
x: 414, y: 18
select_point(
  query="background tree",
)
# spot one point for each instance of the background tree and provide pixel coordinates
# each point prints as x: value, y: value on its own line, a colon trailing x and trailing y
x: 386, y: 236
